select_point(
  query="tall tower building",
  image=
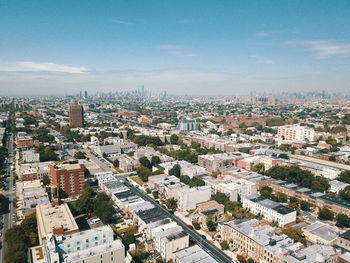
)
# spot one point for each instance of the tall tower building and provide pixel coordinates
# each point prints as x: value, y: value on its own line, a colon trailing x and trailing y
x: 76, y: 114
x: 67, y: 179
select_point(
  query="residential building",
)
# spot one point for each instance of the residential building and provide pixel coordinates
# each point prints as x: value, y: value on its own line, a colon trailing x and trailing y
x: 30, y: 194
x: 252, y: 239
x: 320, y: 233
x: 76, y: 114
x: 296, y: 132
x: 30, y: 156
x: 187, y: 125
x: 91, y: 246
x: 314, y: 254
x: 170, y: 240
x: 193, y: 254
x: 334, y: 204
x: 57, y: 220
x: 343, y: 241
x: 188, y: 198
x: 67, y: 179
x: 207, y: 210
x: 270, y: 210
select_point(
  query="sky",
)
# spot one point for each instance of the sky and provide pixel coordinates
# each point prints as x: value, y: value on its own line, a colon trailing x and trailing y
x: 184, y: 47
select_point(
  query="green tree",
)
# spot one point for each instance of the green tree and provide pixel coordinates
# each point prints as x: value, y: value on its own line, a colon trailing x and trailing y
x: 143, y: 173
x: 174, y: 139
x: 155, y: 160
x: 221, y: 198
x: 211, y: 225
x: 343, y: 221
x: 116, y: 163
x: 259, y: 168
x: 305, y: 206
x: 4, y: 204
x: 176, y: 170
x: 325, y: 214
x: 196, y: 225
x: 224, y: 245
x: 196, y: 181
x: 145, y: 162
x: 79, y: 155
x: 344, y: 177
x: 232, y: 206
x: 241, y: 259
x: 171, y: 203
x: 295, y: 233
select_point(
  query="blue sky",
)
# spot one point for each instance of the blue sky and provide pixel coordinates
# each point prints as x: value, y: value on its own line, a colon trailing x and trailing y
x: 178, y: 46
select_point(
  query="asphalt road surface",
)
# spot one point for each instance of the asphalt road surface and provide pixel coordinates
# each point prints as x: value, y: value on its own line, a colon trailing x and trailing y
x: 211, y: 249
x: 8, y: 219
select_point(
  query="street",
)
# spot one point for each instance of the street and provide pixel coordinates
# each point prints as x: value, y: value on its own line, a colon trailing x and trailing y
x: 211, y: 249
x: 8, y: 219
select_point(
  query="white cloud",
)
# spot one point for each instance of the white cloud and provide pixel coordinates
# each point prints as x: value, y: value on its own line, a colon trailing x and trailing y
x: 177, y: 50
x: 122, y: 22
x: 40, y: 66
x: 324, y: 48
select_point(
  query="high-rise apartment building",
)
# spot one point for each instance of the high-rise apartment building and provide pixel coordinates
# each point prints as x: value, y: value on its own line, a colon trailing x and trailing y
x: 76, y: 114
x: 296, y: 132
x: 67, y: 179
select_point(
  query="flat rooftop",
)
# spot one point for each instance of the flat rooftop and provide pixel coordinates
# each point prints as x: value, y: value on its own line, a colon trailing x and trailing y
x: 49, y: 218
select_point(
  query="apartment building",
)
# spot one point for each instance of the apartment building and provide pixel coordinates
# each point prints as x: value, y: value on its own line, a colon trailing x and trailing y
x: 270, y: 210
x: 188, y: 198
x: 320, y: 233
x: 207, y: 210
x: 33, y: 171
x: 30, y: 156
x: 91, y: 246
x: 57, y: 220
x: 234, y: 189
x: 252, y: 239
x: 67, y: 179
x: 334, y: 204
x: 192, y: 254
x: 314, y: 254
x: 214, y: 162
x: 296, y: 132
x: 170, y: 240
x: 30, y: 194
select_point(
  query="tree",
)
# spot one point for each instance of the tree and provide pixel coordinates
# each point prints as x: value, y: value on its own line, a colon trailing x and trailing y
x: 171, y: 203
x: 250, y: 260
x: 196, y: 181
x: 211, y: 225
x: 232, y: 206
x: 174, y: 139
x: 155, y: 160
x: 145, y: 162
x: 343, y: 221
x: 19, y: 238
x: 143, y: 173
x: 221, y: 198
x: 241, y: 259
x: 344, y: 177
x: 295, y: 233
x: 305, y: 206
x: 79, y: 155
x: 196, y: 225
x: 116, y: 163
x: 259, y: 168
x: 224, y: 245
x: 281, y: 197
x: 4, y: 204
x: 325, y: 214
x: 155, y: 194
x: 176, y: 170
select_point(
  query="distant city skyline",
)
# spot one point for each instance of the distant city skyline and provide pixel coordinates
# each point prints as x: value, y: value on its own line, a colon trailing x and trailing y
x: 181, y: 47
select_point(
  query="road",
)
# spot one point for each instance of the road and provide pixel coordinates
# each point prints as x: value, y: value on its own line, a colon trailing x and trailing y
x: 8, y: 218
x: 211, y: 249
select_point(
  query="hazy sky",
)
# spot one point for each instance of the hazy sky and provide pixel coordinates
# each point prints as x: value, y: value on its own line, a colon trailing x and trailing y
x: 183, y: 47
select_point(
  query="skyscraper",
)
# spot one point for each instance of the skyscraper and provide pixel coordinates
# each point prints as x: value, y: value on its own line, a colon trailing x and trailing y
x: 76, y: 114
